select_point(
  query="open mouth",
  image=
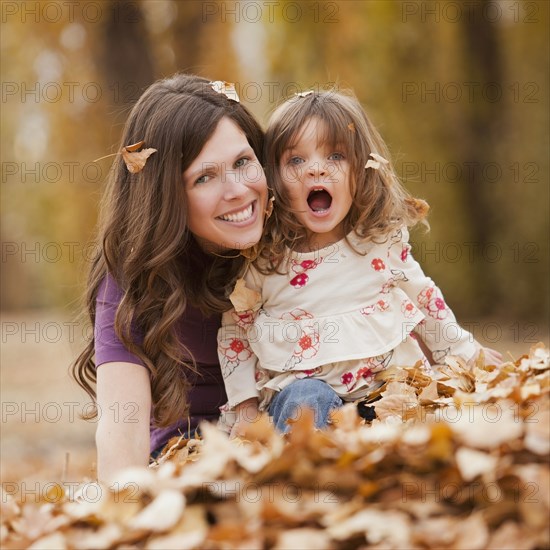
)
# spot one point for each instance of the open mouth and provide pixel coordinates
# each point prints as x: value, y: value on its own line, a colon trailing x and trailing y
x: 319, y: 200
x: 241, y: 216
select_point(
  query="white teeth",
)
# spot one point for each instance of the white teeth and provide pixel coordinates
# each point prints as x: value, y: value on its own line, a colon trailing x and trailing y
x: 241, y: 216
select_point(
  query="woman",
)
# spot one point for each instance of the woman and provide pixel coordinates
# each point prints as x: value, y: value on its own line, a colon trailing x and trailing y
x: 170, y: 237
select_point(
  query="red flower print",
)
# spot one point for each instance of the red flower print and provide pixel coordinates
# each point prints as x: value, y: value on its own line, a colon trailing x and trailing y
x: 308, y: 373
x: 300, y: 280
x: 381, y: 305
x: 232, y: 353
x: 244, y: 318
x: 378, y: 363
x: 308, y: 264
x: 437, y: 308
x: 432, y: 301
x: 378, y: 264
x: 300, y: 268
x: 366, y: 373
x: 426, y: 295
x: 308, y: 343
x: 348, y: 380
x: 408, y: 309
x: 296, y: 314
x: 405, y: 253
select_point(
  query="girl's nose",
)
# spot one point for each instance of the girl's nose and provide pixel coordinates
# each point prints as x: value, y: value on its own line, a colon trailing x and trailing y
x: 316, y: 169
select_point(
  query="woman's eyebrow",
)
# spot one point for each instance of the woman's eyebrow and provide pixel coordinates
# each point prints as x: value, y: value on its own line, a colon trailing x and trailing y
x: 206, y: 165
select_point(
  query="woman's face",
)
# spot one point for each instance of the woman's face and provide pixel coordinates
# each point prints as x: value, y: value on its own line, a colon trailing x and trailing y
x: 226, y: 191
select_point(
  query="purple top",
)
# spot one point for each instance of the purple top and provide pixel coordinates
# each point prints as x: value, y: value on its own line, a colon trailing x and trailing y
x: 196, y: 332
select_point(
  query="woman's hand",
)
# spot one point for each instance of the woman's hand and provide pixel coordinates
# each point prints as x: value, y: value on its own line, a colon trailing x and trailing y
x: 247, y: 413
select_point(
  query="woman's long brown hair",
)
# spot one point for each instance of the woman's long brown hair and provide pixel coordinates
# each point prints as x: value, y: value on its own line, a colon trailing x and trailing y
x: 144, y: 243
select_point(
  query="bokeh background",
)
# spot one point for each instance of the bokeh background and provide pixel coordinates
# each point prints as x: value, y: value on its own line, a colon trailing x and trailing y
x: 458, y: 89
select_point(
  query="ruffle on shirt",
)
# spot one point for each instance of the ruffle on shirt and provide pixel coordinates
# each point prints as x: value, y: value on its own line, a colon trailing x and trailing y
x: 283, y: 345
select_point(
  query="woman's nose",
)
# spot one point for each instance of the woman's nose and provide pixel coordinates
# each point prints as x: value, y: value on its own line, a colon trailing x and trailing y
x: 234, y: 185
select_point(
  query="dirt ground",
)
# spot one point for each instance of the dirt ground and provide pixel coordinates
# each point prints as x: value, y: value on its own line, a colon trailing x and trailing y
x: 41, y: 404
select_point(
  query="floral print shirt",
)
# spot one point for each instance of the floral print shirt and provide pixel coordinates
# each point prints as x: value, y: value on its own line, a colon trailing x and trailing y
x: 337, y: 315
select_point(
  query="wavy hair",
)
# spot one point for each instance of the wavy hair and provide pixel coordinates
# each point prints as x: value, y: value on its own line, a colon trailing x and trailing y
x: 380, y: 203
x: 144, y: 242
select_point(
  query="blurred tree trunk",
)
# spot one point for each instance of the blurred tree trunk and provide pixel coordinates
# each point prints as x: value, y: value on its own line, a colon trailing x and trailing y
x: 125, y: 59
x: 483, y: 124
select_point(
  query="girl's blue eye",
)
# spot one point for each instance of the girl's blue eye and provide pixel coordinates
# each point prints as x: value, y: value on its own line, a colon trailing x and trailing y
x: 336, y: 156
x: 295, y: 160
x: 242, y: 162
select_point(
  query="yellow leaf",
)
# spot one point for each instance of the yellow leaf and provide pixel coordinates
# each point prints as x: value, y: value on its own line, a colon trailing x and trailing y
x: 243, y: 298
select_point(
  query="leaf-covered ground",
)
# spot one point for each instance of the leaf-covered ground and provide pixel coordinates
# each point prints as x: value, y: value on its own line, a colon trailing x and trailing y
x: 456, y: 462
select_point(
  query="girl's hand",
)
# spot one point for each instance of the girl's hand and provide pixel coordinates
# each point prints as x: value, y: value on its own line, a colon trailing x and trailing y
x: 247, y: 413
x: 491, y: 356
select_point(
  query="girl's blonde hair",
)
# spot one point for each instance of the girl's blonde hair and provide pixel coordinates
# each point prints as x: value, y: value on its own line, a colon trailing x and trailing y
x: 380, y: 203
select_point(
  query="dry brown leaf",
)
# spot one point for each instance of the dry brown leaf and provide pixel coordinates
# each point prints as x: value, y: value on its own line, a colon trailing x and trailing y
x: 429, y: 393
x: 55, y: 541
x: 472, y: 463
x: 420, y: 206
x: 225, y: 88
x: 244, y: 298
x: 376, y: 162
x: 135, y: 160
x: 473, y: 533
x: 305, y: 539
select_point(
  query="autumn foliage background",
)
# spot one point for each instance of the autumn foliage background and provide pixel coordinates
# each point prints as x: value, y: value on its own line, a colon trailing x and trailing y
x: 459, y: 93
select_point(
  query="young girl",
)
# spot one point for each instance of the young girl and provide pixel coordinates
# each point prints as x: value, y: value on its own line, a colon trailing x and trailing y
x: 174, y: 217
x: 335, y: 296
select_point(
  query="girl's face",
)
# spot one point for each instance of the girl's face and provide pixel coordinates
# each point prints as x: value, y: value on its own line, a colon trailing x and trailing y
x: 316, y: 178
x: 226, y: 191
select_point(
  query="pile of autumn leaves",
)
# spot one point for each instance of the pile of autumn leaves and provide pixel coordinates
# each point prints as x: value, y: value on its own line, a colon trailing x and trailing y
x: 457, y: 462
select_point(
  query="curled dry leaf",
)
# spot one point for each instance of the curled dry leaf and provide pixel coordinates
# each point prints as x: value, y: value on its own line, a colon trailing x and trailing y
x: 420, y: 206
x: 269, y: 208
x: 135, y: 160
x: 225, y: 88
x: 472, y: 463
x: 162, y: 514
x: 244, y: 298
x: 376, y: 162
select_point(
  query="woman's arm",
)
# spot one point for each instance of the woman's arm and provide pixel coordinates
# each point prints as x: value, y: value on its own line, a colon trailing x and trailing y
x: 124, y: 409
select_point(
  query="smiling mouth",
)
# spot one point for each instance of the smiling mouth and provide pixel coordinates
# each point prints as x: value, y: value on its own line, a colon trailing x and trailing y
x: 319, y: 200
x: 240, y: 216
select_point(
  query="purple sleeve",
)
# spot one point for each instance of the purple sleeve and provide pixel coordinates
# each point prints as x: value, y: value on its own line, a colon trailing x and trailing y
x: 108, y: 347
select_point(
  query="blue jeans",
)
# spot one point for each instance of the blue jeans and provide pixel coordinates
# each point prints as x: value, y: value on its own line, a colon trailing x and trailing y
x: 307, y: 392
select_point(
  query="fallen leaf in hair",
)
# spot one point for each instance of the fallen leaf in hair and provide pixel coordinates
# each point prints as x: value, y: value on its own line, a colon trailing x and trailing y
x: 421, y: 206
x: 351, y: 126
x: 376, y: 161
x: 225, y: 88
x: 135, y: 160
x: 269, y: 209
